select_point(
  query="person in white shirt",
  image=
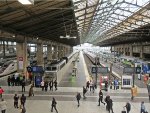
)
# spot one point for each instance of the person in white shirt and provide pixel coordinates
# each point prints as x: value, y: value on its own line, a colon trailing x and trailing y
x: 42, y: 85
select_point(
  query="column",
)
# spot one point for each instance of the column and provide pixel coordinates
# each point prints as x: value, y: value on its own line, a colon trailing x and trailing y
x: 4, y: 54
x: 22, y: 62
x: 49, y: 52
x: 55, y: 52
x: 59, y: 52
x: 131, y: 50
x: 39, y: 54
x: 63, y: 51
x: 141, y: 51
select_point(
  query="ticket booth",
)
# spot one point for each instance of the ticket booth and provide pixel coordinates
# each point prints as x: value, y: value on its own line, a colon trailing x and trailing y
x: 127, y: 81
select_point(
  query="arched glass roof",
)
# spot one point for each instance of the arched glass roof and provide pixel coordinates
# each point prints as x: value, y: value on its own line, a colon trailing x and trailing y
x: 99, y: 20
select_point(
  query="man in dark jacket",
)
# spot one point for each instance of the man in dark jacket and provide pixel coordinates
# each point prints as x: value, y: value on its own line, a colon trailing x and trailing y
x: 107, y: 102
x: 84, y: 91
x: 23, y: 84
x: 55, y: 84
x: 100, y: 98
x: 23, y: 100
x: 110, y: 105
x: 54, y: 105
x: 128, y: 107
x: 16, y: 101
x: 78, y: 97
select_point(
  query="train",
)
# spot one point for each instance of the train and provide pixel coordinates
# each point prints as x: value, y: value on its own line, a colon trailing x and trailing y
x: 8, y: 68
x: 93, y: 58
x: 58, y: 65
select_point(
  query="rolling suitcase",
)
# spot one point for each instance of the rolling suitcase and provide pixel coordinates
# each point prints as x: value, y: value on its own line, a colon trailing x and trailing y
x: 123, y: 111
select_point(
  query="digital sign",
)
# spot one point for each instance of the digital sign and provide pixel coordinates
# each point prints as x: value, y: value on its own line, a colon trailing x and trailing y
x: 37, y: 69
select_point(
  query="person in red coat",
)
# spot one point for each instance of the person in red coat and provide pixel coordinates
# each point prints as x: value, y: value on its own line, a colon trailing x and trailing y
x: 1, y: 92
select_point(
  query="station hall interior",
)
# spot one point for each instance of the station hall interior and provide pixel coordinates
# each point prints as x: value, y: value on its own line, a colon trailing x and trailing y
x: 68, y: 44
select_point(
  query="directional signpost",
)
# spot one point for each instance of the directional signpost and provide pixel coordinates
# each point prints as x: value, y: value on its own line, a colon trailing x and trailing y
x: 103, y: 70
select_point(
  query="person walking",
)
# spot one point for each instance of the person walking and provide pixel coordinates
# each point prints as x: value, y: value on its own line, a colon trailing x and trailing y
x: 46, y: 85
x: 55, y: 84
x: 53, y: 105
x: 84, y: 91
x: 31, y: 92
x: 107, y: 101
x: 42, y: 85
x: 100, y: 98
x: 87, y: 84
x: 115, y: 88
x: 23, y: 84
x: 78, y: 97
x: 3, y: 106
x: 23, y: 100
x: 9, y: 81
x: 1, y: 92
x: 51, y: 85
x: 16, y: 97
x: 110, y: 105
x: 106, y: 86
x: 128, y: 107
x: 143, y: 107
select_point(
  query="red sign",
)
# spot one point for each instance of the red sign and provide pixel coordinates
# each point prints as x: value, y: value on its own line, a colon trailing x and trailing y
x: 20, y: 58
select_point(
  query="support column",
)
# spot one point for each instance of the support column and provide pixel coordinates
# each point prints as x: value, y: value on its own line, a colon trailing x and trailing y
x: 49, y: 52
x: 55, y: 52
x: 141, y: 51
x: 22, y: 63
x: 59, y: 52
x: 131, y: 51
x: 4, y: 49
x: 63, y: 51
x: 39, y: 54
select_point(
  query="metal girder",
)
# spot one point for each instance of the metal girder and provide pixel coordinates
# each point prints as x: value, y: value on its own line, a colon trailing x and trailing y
x: 37, y: 16
x: 41, y: 24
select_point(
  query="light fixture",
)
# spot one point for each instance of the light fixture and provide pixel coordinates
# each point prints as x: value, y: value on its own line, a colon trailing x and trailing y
x: 26, y: 2
x: 14, y: 36
x: 67, y: 36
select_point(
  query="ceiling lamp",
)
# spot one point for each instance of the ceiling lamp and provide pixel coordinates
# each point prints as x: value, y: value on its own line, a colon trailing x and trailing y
x: 68, y: 37
x: 26, y: 2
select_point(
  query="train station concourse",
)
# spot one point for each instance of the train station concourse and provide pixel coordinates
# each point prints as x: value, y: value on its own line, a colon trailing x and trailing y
x: 75, y: 56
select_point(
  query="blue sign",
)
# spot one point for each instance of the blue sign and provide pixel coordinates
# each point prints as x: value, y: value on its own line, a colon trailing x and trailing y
x: 146, y: 68
x: 38, y: 80
x: 37, y: 69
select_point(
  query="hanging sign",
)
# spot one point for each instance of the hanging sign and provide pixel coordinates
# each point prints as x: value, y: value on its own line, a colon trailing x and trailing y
x: 20, y: 59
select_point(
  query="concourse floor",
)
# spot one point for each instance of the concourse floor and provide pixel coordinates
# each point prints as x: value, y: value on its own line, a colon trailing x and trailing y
x: 66, y: 96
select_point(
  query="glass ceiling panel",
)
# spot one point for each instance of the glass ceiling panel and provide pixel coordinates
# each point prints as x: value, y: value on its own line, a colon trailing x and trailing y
x: 108, y: 14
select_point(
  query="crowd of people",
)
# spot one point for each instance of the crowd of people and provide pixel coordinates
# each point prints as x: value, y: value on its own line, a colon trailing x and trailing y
x: 51, y: 84
x: 90, y: 86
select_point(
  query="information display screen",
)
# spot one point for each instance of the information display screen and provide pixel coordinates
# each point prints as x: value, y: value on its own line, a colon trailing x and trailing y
x: 37, y: 69
x: 129, y: 70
